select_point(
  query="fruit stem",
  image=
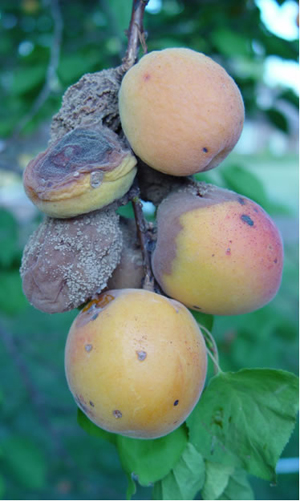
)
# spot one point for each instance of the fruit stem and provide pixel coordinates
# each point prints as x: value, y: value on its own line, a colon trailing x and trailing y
x: 135, y: 33
x: 146, y: 239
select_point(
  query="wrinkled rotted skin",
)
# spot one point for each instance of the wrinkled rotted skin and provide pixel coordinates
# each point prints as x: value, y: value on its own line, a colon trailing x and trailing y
x: 66, y: 261
x: 85, y: 170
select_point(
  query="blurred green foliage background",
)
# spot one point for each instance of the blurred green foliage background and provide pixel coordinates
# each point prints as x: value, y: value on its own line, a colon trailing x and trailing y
x: 45, y: 46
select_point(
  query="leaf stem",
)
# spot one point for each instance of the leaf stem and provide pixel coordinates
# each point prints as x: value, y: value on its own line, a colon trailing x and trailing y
x: 211, y: 348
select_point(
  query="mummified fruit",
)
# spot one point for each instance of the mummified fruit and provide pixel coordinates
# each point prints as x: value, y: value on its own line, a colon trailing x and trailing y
x: 135, y: 362
x: 66, y: 261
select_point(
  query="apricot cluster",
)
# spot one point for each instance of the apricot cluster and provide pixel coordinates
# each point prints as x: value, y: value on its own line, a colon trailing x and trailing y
x: 135, y: 359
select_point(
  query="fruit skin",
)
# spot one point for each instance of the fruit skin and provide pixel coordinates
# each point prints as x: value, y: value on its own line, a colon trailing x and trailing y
x: 136, y: 363
x: 217, y: 252
x: 129, y: 273
x: 180, y: 111
x: 85, y: 170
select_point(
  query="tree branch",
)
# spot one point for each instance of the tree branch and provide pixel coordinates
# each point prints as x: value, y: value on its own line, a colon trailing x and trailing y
x: 145, y: 236
x: 136, y: 34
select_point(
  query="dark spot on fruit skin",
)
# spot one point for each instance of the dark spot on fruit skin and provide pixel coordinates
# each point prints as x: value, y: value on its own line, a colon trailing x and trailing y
x: 176, y: 402
x: 212, y: 255
x: 141, y: 355
x: 247, y: 219
x: 92, y: 404
x: 275, y: 261
x: 88, y: 347
x: 146, y: 77
x: 81, y: 403
x: 117, y: 414
x: 197, y: 307
x: 205, y: 150
x: 241, y: 201
x: 228, y: 252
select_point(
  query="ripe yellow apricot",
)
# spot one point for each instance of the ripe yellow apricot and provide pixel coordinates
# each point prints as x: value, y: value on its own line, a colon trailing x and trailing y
x: 135, y: 362
x: 180, y: 111
x: 219, y: 253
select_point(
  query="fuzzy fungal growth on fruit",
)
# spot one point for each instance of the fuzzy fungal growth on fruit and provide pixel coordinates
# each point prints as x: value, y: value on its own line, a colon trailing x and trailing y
x: 94, y: 98
x: 217, y: 252
x: 66, y: 261
x: 87, y: 169
x: 180, y: 111
x: 135, y: 362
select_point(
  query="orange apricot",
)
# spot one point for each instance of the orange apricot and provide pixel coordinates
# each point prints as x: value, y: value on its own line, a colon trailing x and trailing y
x: 217, y: 252
x: 180, y: 111
x: 135, y: 362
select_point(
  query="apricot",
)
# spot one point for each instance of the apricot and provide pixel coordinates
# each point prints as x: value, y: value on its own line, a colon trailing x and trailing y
x: 129, y: 273
x: 217, y: 252
x: 85, y: 170
x: 180, y: 111
x: 135, y: 362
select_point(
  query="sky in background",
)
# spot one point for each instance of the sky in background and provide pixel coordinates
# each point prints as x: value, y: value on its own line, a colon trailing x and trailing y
x: 280, y: 20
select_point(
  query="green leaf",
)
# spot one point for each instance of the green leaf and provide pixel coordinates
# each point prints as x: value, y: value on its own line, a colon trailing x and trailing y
x: 126, y: 211
x: 151, y: 460
x: 231, y: 43
x: 238, y: 487
x: 245, y: 183
x: 224, y: 482
x: 131, y: 489
x: 186, y: 478
x: 216, y: 479
x: 94, y: 430
x: 245, y: 419
x: 278, y: 119
x: 157, y: 492
x: 26, y: 461
x: 203, y: 319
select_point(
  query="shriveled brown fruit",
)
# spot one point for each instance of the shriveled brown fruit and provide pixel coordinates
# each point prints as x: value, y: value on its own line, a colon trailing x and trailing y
x: 130, y: 272
x: 66, y: 261
x: 87, y: 169
x: 93, y: 98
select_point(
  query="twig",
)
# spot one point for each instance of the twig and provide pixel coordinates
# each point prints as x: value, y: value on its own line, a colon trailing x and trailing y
x: 144, y: 236
x: 136, y: 34
x: 51, y: 70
